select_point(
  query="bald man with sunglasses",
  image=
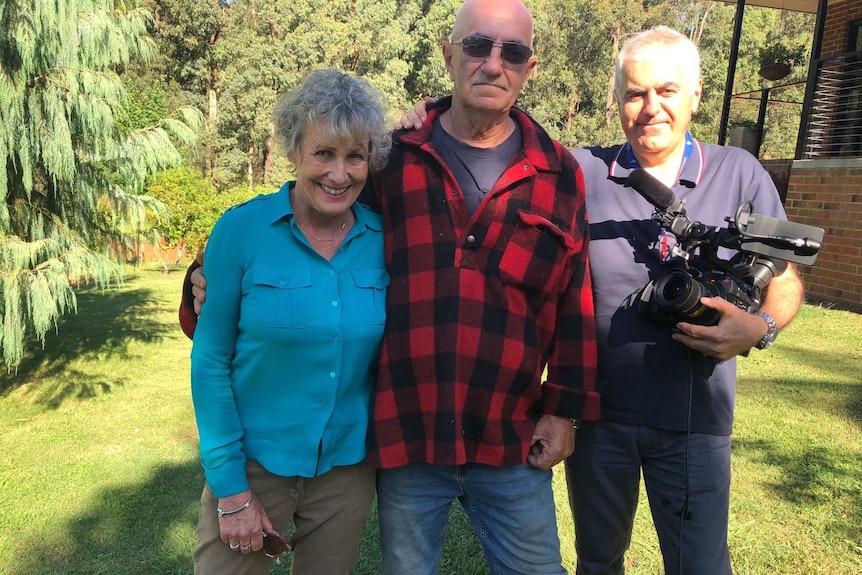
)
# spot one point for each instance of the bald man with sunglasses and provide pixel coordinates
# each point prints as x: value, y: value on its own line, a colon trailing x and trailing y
x: 486, y: 248
x: 486, y: 239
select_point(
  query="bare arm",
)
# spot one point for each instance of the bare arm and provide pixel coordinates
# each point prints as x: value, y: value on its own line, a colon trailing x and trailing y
x: 784, y: 297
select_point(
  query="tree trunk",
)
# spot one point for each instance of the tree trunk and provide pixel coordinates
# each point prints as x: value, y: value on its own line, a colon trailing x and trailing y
x: 610, y: 93
x: 573, y: 109
x: 212, y: 104
x: 697, y: 31
x: 267, y: 156
x: 251, y: 167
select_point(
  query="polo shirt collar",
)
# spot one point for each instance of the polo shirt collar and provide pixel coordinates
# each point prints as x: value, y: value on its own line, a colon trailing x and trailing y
x: 692, y: 167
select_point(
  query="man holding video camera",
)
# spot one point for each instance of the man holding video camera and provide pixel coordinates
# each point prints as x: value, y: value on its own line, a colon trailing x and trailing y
x: 667, y: 391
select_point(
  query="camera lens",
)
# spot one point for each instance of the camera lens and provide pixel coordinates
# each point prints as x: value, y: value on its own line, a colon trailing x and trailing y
x: 679, y: 293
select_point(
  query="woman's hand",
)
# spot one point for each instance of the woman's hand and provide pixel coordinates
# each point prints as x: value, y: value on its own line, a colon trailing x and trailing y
x: 243, y: 531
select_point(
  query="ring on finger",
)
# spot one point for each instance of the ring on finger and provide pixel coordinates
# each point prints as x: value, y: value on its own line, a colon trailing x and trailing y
x: 245, y: 547
x: 234, y: 546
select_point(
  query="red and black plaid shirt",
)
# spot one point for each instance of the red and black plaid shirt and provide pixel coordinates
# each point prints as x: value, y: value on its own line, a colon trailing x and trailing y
x: 478, y: 306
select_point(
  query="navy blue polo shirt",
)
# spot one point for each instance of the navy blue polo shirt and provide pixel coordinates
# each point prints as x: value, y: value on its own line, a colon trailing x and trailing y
x: 643, y: 373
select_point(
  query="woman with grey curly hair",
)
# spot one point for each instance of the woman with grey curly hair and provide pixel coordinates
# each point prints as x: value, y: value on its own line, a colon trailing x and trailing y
x: 343, y: 104
x: 286, y: 347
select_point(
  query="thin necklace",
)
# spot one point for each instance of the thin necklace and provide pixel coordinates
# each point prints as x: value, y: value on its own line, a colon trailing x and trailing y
x: 335, y: 235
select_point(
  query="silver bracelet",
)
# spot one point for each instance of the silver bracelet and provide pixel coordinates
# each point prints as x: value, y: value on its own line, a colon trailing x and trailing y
x: 222, y: 512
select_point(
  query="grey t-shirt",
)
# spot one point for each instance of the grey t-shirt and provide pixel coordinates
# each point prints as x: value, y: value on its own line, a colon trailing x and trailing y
x: 476, y: 169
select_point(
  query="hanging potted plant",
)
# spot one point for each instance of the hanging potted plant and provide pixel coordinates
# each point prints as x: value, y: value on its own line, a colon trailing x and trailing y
x: 776, y: 60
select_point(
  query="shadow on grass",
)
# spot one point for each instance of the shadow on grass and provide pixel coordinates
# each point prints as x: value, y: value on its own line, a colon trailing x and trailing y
x: 840, y: 399
x: 106, y: 324
x: 812, y: 477
x: 847, y: 364
x: 145, y: 528
x: 148, y: 528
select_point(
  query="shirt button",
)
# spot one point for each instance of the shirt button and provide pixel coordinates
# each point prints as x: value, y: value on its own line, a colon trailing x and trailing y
x: 332, y: 272
x: 334, y: 304
x: 471, y: 239
x: 331, y: 374
x: 526, y: 167
x: 454, y: 193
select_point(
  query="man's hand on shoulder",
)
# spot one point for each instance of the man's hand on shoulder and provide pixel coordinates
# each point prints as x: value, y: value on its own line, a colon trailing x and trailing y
x: 199, y: 286
x: 414, y: 118
x: 190, y: 307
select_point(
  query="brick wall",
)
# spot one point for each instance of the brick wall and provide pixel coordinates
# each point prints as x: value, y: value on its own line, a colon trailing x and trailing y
x: 779, y: 170
x: 838, y: 14
x: 828, y: 194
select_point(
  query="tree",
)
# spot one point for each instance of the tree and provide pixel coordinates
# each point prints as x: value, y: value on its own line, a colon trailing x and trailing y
x: 269, y: 47
x: 188, y: 34
x: 71, y: 175
x: 193, y: 207
x: 184, y: 193
x: 426, y: 24
x: 232, y: 59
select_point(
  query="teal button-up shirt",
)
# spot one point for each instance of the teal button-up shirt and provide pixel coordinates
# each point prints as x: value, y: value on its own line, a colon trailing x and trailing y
x: 287, y: 345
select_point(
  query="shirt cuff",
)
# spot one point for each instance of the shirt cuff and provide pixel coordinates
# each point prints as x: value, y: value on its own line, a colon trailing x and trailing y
x: 571, y: 402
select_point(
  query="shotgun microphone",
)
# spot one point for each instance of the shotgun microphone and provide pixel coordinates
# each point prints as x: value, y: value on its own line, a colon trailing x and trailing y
x: 655, y: 192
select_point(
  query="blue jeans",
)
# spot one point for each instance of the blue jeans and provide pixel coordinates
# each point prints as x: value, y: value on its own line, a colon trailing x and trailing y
x: 604, y: 479
x: 511, y: 509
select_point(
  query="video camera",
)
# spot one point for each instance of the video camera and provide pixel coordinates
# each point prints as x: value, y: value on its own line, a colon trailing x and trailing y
x: 764, y: 247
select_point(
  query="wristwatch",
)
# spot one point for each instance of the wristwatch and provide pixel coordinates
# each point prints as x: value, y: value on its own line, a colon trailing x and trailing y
x: 771, y: 333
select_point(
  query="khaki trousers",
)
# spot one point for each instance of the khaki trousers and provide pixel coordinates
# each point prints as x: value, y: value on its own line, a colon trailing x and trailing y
x: 328, y: 515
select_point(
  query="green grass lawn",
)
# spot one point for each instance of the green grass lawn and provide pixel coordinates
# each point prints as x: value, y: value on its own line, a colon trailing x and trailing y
x: 100, y: 473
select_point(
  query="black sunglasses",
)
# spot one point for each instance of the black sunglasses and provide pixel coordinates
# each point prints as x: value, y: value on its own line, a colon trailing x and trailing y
x: 480, y: 47
x: 275, y: 546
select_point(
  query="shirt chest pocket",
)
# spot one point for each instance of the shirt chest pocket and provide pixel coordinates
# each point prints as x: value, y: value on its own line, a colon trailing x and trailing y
x: 535, y: 257
x: 371, y: 284
x: 282, y: 296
